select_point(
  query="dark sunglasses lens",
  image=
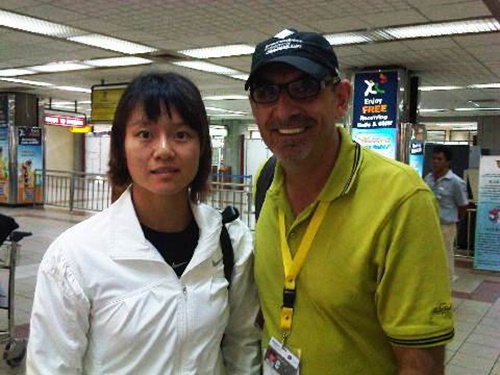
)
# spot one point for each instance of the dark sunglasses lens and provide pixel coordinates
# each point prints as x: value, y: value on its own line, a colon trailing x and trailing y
x: 265, y: 93
x: 304, y: 88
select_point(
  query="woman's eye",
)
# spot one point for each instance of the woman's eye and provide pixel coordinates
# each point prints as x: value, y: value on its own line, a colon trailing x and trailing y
x: 144, y: 134
x: 182, y: 135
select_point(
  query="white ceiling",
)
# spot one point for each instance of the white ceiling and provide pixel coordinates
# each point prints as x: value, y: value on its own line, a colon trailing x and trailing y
x: 173, y: 25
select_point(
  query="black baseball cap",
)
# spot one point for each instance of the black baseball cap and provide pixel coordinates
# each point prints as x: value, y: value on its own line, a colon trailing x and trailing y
x: 307, y: 51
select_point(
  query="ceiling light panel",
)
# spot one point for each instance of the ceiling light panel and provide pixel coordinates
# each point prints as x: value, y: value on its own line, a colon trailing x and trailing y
x: 495, y: 85
x: 445, y: 28
x: 27, y: 82
x: 117, y: 61
x: 112, y: 44
x: 37, y: 26
x: 73, y: 88
x: 226, y: 97
x: 15, y: 72
x: 347, y: 38
x: 62, y: 66
x: 207, y: 67
x: 440, y: 88
x: 241, y: 76
x: 219, y: 51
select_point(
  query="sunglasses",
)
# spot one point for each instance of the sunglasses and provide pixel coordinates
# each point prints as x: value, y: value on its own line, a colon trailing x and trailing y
x: 302, y: 88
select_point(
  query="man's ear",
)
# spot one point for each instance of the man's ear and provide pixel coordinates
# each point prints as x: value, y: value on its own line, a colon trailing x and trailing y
x: 343, y: 91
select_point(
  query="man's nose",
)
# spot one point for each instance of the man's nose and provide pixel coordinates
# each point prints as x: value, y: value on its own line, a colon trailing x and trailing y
x: 285, y: 105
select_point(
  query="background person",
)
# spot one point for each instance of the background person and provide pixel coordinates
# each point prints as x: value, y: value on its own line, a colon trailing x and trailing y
x: 139, y: 288
x: 451, y: 193
x: 349, y: 259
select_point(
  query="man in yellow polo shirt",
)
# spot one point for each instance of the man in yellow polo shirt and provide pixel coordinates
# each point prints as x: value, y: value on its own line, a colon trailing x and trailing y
x: 349, y: 258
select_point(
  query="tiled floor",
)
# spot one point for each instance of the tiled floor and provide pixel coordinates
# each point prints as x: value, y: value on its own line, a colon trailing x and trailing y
x: 474, y: 351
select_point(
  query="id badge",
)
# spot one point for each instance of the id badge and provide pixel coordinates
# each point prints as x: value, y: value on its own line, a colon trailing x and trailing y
x: 280, y: 360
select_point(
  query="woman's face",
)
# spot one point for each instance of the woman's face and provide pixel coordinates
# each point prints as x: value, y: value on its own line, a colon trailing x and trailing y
x: 162, y: 156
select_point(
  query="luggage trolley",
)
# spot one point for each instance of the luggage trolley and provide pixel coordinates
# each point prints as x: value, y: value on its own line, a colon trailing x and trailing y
x: 15, y: 349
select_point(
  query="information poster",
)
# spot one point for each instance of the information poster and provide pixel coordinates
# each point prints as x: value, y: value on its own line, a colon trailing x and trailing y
x: 29, y: 159
x: 4, y: 163
x: 375, y: 110
x: 104, y: 102
x: 417, y: 156
x: 382, y: 141
x: 487, y: 240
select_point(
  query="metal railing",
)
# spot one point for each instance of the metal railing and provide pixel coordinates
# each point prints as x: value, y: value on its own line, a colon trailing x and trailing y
x: 79, y: 191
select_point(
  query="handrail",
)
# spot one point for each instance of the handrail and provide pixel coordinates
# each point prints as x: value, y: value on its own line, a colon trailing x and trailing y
x: 92, y: 191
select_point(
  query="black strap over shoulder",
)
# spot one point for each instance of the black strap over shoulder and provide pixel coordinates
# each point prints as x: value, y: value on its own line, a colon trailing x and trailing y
x: 229, y: 214
x: 263, y: 183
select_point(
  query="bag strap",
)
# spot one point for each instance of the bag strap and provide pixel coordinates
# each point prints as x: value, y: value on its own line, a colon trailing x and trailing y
x: 229, y: 214
x: 264, y: 181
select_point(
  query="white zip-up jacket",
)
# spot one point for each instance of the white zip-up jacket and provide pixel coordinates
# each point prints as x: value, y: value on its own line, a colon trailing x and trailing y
x: 107, y: 303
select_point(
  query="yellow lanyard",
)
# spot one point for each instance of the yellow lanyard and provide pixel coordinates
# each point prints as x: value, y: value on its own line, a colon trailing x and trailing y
x: 292, y: 266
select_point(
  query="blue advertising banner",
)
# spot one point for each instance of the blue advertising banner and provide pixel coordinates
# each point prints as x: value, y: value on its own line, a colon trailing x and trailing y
x: 417, y: 156
x: 382, y: 141
x: 4, y: 163
x: 487, y: 240
x: 375, y: 103
x: 29, y: 159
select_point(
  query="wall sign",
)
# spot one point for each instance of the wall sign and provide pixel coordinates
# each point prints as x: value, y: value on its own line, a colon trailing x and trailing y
x: 375, y: 102
x: 487, y: 240
x: 375, y: 111
x: 64, y: 120
x: 104, y: 102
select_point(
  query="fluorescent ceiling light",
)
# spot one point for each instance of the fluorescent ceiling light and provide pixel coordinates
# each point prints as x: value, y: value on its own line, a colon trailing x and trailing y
x: 425, y: 110
x: 15, y: 72
x: 112, y: 44
x: 440, y: 88
x: 457, y: 124
x: 444, y: 28
x: 227, y: 111
x: 73, y: 88
x: 241, y: 77
x: 219, y: 51
x: 37, y: 26
x: 61, y: 66
x: 118, y: 61
x: 206, y: 67
x: 226, y: 97
x: 226, y: 115
x: 485, y: 86
x: 340, y: 39
x: 477, y: 109
x: 27, y: 82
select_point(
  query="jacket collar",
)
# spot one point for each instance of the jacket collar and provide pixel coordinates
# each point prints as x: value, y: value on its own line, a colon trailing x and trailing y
x: 127, y: 239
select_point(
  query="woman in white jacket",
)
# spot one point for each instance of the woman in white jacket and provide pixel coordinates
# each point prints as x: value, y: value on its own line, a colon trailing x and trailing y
x: 139, y: 288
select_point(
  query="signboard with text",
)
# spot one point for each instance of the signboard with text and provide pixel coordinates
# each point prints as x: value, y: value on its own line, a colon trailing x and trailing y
x: 375, y: 111
x: 104, y: 102
x: 487, y: 239
x: 29, y: 159
x: 58, y: 119
x: 375, y: 102
x: 417, y: 156
x: 382, y: 141
x: 4, y: 163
